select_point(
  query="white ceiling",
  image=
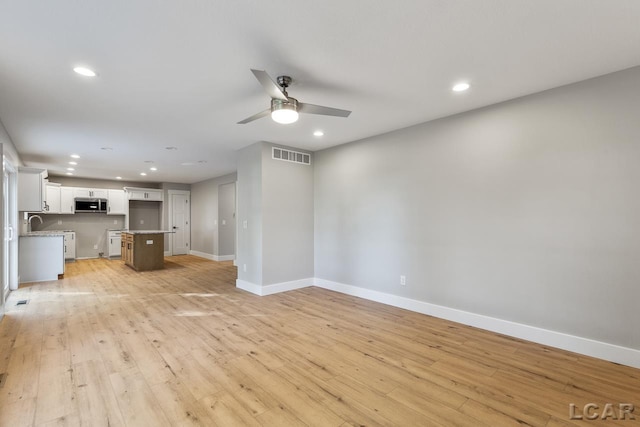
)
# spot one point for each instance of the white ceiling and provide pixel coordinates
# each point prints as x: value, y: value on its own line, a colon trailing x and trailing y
x: 177, y: 73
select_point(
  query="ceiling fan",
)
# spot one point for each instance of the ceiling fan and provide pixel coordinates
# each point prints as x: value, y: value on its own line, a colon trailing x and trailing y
x: 284, y: 109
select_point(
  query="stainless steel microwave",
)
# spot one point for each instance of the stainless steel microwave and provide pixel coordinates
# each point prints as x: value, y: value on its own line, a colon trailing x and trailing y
x: 91, y: 205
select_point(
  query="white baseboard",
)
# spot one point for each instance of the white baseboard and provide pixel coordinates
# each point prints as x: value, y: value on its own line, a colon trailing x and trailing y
x: 275, y: 288
x: 249, y: 287
x: 167, y: 253
x: 202, y: 255
x: 213, y: 257
x: 611, y: 352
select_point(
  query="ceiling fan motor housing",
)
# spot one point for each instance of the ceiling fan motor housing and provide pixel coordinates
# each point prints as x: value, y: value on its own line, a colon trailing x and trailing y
x: 279, y: 104
x: 284, y: 81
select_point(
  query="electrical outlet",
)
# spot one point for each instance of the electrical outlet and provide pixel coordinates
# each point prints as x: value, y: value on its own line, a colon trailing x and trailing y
x: 215, y: 222
x: 115, y: 221
x: 244, y: 267
x: 95, y: 246
x: 59, y: 222
x: 244, y: 224
x: 141, y: 221
x: 224, y: 222
x: 403, y: 280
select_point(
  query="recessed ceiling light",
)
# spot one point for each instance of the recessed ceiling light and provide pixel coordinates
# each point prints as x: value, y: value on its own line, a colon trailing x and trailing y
x: 69, y: 173
x: 107, y: 148
x: 75, y: 156
x: 84, y: 71
x: 202, y: 161
x: 143, y: 174
x: 318, y: 133
x: 460, y: 87
x: 171, y: 148
x: 153, y: 169
x: 148, y: 161
x: 73, y: 163
x: 70, y: 169
x: 118, y: 177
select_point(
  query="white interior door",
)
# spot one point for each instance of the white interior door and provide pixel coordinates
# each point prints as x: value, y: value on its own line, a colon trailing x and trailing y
x: 180, y: 218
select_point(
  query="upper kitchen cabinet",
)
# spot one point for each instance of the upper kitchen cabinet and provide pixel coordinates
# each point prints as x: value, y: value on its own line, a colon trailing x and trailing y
x: 52, y: 198
x: 67, y: 205
x: 92, y: 193
x: 146, y: 194
x: 31, y: 189
x: 116, y: 202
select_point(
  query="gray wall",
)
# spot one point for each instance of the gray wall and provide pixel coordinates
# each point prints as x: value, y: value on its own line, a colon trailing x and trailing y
x: 287, y: 215
x: 91, y: 229
x: 145, y: 215
x: 276, y: 200
x: 526, y: 211
x: 204, y: 214
x: 249, y: 249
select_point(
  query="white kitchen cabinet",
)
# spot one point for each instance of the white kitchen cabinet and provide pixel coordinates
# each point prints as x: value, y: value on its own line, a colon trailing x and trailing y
x: 52, y: 199
x: 97, y: 193
x: 69, y: 245
x: 116, y: 202
x: 145, y: 194
x: 31, y: 189
x: 115, y: 243
x: 67, y: 203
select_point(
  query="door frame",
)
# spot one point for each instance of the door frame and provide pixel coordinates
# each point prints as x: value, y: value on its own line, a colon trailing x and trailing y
x: 170, y: 193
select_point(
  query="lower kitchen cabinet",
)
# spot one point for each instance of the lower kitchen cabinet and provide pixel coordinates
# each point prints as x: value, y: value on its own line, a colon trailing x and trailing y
x: 142, y: 250
x: 115, y: 243
x: 69, y: 245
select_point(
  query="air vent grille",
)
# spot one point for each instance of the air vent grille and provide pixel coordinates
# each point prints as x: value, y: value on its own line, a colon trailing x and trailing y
x: 290, y: 156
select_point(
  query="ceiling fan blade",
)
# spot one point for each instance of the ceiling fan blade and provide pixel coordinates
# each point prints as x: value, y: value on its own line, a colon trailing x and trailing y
x: 269, y: 85
x: 325, y: 111
x: 260, y: 115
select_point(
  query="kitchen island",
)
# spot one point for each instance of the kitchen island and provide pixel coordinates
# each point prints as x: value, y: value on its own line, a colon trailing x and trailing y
x: 40, y: 256
x: 143, y: 250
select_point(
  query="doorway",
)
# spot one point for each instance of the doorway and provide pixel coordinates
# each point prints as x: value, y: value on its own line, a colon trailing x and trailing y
x: 227, y: 221
x: 179, y: 222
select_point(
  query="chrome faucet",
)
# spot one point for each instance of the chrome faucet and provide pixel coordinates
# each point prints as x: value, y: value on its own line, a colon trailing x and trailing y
x: 30, y: 218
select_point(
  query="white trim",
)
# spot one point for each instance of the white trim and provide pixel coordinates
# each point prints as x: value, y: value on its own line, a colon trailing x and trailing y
x: 249, y: 287
x: 274, y: 288
x: 167, y: 253
x: 611, y: 352
x: 287, y: 286
x: 203, y: 255
x: 213, y: 257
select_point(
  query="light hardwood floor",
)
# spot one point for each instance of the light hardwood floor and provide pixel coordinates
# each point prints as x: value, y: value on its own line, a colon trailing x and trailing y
x: 107, y: 346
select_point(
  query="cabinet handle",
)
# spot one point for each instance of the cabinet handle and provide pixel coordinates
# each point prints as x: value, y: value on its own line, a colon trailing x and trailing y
x: 111, y: 240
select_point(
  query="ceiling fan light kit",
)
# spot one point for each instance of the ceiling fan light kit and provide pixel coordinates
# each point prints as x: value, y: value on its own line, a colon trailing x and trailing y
x: 284, y: 109
x: 284, y: 112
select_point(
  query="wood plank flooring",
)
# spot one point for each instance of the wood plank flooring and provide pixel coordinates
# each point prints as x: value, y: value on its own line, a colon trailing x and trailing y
x: 107, y: 346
